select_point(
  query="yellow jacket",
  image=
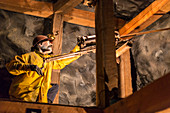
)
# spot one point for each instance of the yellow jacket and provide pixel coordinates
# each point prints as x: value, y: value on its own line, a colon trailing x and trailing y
x: 28, y: 85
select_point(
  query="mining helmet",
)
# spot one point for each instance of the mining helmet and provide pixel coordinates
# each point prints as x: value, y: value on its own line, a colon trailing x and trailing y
x: 40, y: 38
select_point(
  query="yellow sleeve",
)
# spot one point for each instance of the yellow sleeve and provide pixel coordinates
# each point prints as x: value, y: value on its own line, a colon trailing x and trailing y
x: 60, y: 64
x: 76, y: 48
x: 18, y: 65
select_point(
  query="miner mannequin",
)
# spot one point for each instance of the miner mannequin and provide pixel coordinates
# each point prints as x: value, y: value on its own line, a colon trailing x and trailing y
x: 33, y: 74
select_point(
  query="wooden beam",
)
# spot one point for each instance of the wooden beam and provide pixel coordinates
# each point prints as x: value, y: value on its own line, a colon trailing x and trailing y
x: 86, y: 18
x: 145, y: 24
x: 125, y: 75
x: 153, y: 98
x: 80, y: 17
x: 57, y: 48
x: 57, y: 27
x: 166, y: 7
x: 26, y: 107
x: 122, y: 50
x: 30, y: 7
x: 64, y: 6
x: 105, y: 51
x: 143, y: 17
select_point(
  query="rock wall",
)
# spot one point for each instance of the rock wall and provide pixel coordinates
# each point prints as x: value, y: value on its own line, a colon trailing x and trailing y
x: 16, y: 33
x: 78, y: 81
x: 151, y: 53
x: 128, y: 9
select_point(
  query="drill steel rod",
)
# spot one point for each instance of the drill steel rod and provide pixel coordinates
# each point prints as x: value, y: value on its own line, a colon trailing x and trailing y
x: 119, y: 52
x: 70, y: 55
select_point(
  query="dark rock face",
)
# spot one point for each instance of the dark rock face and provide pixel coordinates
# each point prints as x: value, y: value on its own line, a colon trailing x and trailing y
x: 127, y: 9
x: 17, y: 32
x: 151, y: 53
x: 77, y: 80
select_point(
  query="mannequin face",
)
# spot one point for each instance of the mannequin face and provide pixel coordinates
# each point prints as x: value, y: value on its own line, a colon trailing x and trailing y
x: 45, y: 47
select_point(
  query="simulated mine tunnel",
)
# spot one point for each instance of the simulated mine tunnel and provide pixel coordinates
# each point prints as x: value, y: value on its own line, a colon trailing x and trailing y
x: 127, y: 66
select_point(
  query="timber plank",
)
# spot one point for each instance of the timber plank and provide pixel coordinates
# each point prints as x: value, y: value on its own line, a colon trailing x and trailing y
x: 122, y: 50
x: 86, y: 18
x: 154, y: 98
x: 166, y: 8
x: 20, y: 107
x: 30, y: 7
x: 64, y: 6
x: 80, y: 17
x: 145, y: 24
x: 125, y: 75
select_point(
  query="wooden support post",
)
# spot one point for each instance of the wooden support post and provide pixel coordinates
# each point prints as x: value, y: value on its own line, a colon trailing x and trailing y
x: 105, y: 51
x: 125, y: 75
x: 57, y: 47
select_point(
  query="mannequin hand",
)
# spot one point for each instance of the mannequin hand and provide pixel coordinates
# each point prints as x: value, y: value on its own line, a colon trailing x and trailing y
x: 37, y: 69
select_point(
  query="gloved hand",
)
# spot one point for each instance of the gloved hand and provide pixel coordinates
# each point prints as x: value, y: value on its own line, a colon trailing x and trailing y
x: 36, y: 68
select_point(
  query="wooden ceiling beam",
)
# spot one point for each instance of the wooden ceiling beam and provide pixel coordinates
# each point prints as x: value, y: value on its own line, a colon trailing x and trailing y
x: 145, y: 24
x: 64, y: 6
x: 166, y: 7
x: 30, y: 7
x: 86, y: 18
x: 141, y: 20
x: 80, y: 17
